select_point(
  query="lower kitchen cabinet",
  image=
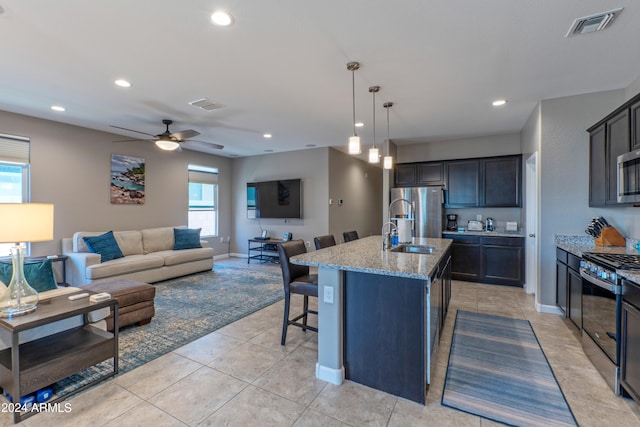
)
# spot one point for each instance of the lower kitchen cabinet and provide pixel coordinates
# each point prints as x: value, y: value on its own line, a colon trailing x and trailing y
x: 569, y: 286
x: 495, y: 260
x: 575, y: 297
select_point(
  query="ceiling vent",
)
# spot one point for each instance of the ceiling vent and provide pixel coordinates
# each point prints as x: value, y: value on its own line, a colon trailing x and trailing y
x: 206, y: 104
x: 589, y: 24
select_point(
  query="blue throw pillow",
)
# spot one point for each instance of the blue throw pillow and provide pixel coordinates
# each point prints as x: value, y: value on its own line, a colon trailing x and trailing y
x: 105, y: 245
x: 186, y: 238
x: 39, y: 274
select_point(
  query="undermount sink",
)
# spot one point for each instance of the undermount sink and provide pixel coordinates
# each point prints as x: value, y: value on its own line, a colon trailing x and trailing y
x: 414, y: 249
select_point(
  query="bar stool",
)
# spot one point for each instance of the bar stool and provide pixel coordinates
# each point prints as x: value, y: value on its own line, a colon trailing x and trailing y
x: 324, y: 241
x: 350, y: 235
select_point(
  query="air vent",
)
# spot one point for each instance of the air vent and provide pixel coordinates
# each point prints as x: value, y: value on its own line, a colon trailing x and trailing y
x: 597, y: 22
x: 206, y: 104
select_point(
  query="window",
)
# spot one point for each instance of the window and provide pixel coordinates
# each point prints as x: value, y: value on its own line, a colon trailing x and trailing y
x: 14, y: 174
x: 203, y: 199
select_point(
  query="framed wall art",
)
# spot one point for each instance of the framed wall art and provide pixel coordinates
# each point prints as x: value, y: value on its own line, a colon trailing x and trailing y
x: 127, y: 180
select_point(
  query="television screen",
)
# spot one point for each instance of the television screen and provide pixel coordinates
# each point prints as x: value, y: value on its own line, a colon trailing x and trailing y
x: 275, y: 199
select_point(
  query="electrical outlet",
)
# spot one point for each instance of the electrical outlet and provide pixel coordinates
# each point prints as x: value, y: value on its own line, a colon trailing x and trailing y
x: 328, y: 294
x: 222, y: 240
x: 228, y: 238
x: 340, y: 202
x: 308, y: 243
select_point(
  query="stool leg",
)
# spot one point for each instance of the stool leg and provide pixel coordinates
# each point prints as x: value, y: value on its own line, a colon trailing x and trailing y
x: 285, y: 322
x: 306, y: 311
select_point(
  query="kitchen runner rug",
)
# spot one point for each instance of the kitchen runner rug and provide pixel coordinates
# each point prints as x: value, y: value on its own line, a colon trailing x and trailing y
x: 187, y: 308
x: 498, y: 371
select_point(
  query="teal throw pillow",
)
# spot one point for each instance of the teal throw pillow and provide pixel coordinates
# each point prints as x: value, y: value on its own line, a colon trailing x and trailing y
x: 105, y: 245
x: 186, y: 238
x: 39, y: 274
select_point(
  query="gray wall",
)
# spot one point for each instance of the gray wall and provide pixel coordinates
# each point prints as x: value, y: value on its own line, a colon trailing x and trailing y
x: 311, y: 166
x: 359, y: 184
x: 494, y: 145
x: 70, y: 167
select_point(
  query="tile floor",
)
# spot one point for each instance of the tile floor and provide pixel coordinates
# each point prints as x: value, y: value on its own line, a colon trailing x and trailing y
x: 241, y: 376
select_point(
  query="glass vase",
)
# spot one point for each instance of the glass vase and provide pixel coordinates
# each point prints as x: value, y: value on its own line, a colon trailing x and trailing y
x: 19, y: 298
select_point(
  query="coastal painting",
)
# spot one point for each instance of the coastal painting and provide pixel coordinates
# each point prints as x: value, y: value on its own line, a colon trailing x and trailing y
x: 127, y: 180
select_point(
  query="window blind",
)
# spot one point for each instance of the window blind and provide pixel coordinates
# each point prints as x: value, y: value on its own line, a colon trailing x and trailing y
x: 14, y: 149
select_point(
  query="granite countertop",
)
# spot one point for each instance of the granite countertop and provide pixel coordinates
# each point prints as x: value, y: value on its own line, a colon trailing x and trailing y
x: 497, y: 233
x: 577, y: 245
x: 366, y: 256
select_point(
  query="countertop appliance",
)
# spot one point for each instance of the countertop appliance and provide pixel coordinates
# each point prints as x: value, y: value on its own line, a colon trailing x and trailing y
x: 629, y: 177
x: 601, y: 311
x: 488, y: 225
x: 473, y: 225
x: 452, y: 222
x: 428, y: 209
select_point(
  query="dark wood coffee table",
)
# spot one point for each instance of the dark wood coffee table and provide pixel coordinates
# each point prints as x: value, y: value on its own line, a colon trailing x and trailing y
x: 30, y: 366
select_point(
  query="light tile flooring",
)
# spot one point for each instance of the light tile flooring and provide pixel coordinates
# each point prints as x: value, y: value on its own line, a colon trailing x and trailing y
x: 241, y: 376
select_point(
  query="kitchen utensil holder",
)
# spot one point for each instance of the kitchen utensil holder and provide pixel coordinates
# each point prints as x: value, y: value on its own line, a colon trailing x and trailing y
x: 609, y: 236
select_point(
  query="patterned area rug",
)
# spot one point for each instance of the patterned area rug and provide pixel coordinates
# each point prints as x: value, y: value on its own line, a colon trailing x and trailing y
x: 498, y: 371
x: 187, y: 308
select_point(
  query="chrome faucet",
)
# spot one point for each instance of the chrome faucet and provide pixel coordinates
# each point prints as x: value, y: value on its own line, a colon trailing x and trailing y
x: 411, y: 208
x: 386, y: 237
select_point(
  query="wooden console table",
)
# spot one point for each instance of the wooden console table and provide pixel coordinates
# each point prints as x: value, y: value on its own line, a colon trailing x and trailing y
x: 264, y: 251
x: 28, y: 367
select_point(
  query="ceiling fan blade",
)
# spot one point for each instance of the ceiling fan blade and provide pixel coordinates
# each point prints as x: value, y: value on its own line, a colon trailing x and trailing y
x: 211, y: 144
x: 184, y: 134
x: 134, y: 140
x: 131, y: 130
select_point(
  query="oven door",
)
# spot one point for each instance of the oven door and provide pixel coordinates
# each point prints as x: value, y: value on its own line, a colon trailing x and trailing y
x: 629, y: 177
x: 601, y: 315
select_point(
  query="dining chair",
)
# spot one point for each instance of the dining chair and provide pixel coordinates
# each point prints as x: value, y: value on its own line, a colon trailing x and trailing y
x: 350, y: 235
x: 324, y: 241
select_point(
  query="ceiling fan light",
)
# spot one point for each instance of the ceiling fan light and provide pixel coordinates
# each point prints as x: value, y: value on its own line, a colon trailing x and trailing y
x: 374, y: 155
x: 221, y: 18
x: 167, y: 145
x: 388, y: 162
x: 354, y: 145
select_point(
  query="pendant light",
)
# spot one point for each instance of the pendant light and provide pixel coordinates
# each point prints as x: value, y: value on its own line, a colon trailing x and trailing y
x: 374, y: 156
x: 388, y: 160
x: 354, y: 141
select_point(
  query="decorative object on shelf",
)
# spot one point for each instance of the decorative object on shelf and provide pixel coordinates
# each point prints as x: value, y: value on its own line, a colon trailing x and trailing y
x: 604, y: 234
x: 127, y: 180
x: 388, y: 159
x: 354, y: 141
x: 23, y: 222
x: 374, y: 154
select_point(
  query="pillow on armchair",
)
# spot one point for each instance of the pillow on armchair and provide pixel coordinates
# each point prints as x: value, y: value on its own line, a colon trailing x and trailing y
x: 39, y: 274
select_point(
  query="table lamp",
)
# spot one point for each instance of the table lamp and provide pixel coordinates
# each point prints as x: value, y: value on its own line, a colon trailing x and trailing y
x: 19, y: 223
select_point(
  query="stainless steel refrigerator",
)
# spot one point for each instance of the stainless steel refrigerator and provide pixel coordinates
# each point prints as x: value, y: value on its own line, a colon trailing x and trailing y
x: 428, y: 203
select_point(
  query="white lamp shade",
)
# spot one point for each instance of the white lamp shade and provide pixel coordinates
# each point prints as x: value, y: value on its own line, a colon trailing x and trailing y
x: 354, y: 145
x: 167, y: 145
x: 388, y: 162
x: 26, y: 222
x: 374, y: 155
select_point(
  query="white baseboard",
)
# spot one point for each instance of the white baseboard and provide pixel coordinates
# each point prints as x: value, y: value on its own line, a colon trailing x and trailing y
x: 237, y: 255
x: 543, y: 308
x: 221, y: 256
x: 330, y: 375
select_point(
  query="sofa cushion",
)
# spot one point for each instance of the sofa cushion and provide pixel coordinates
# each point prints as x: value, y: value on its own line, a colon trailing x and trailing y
x: 105, y: 245
x: 186, y: 255
x: 126, y: 265
x: 157, y: 239
x: 130, y: 242
x: 186, y: 238
x: 39, y: 274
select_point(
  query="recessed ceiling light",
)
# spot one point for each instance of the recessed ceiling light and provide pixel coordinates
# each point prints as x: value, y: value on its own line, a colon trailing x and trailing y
x: 359, y: 124
x: 58, y: 108
x: 499, y: 102
x: 310, y: 145
x: 267, y: 135
x: 221, y: 18
x: 122, y: 83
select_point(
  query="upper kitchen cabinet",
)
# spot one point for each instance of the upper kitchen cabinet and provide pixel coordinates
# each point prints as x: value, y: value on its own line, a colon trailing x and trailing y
x: 502, y: 181
x: 419, y: 174
x: 463, y: 183
x: 616, y: 134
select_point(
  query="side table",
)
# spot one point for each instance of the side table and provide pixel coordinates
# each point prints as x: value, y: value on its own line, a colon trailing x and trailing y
x: 30, y: 366
x: 265, y: 250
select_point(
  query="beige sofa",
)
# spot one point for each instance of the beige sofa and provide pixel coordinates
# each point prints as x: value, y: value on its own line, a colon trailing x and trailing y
x: 148, y: 257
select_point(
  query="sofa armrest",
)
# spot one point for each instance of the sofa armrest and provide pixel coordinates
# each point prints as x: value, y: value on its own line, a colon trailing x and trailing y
x: 77, y: 266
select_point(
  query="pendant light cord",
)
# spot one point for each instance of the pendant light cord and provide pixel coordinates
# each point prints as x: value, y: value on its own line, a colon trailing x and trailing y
x: 374, y: 119
x: 353, y: 88
x: 388, y: 141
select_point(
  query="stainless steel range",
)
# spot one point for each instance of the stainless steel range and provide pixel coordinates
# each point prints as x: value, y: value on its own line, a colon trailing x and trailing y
x: 601, y: 308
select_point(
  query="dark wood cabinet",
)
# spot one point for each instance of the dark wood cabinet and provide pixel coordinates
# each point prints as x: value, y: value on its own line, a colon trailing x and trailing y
x: 431, y: 173
x: 569, y: 286
x: 597, y: 167
x: 617, y: 143
x: 495, y: 260
x: 634, y: 117
x: 561, y: 286
x: 630, y: 348
x: 405, y: 175
x: 463, y: 183
x: 575, y: 297
x: 502, y: 182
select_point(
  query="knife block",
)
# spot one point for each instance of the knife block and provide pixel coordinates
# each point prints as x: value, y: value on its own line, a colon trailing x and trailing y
x: 609, y: 236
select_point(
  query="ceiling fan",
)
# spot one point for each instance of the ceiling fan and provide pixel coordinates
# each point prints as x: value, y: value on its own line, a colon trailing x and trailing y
x: 170, y: 140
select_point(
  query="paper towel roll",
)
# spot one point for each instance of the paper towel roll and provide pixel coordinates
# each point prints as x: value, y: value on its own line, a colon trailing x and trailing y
x: 404, y: 230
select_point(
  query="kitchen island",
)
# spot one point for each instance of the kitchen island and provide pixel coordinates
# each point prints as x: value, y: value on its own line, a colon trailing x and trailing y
x: 380, y: 313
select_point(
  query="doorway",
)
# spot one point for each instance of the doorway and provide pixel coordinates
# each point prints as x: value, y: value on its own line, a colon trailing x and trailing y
x: 531, y: 217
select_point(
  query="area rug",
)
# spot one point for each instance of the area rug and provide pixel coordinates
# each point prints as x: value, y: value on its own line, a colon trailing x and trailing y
x: 187, y: 308
x: 498, y: 371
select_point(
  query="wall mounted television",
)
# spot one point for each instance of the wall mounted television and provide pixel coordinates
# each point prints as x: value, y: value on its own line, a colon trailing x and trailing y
x: 275, y: 199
